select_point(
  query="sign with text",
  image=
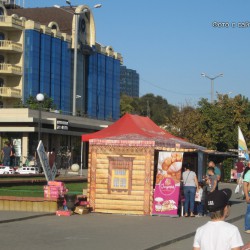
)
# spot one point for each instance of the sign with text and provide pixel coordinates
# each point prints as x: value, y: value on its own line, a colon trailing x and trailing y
x: 62, y: 125
x: 167, y: 187
x: 50, y: 173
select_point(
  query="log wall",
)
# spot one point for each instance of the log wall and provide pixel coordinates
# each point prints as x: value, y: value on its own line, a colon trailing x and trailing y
x: 137, y: 200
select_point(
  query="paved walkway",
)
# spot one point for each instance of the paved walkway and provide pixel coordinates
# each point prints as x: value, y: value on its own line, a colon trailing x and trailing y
x: 21, y: 230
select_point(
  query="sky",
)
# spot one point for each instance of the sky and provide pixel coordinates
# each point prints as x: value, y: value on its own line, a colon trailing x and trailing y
x: 171, y: 42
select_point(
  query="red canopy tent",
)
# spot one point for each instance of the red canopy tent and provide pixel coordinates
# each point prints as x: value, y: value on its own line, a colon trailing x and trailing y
x: 135, y: 127
x: 131, y: 124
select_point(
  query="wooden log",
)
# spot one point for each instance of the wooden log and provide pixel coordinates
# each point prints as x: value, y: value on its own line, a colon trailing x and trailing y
x: 138, y: 172
x: 118, y: 207
x: 102, y: 171
x: 119, y: 203
x: 102, y: 191
x: 101, y: 181
x: 110, y: 211
x: 102, y: 161
x: 133, y: 192
x: 102, y: 166
x: 120, y: 197
x: 138, y: 183
x: 101, y: 186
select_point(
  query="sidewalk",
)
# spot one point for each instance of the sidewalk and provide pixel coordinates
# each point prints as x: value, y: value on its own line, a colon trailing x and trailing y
x: 107, y: 231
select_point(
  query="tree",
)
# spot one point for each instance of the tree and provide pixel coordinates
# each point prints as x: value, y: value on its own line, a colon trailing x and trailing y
x: 213, y: 125
x: 156, y: 107
x: 128, y: 104
x: 32, y: 103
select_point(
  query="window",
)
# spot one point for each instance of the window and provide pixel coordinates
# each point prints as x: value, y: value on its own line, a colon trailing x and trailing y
x: 1, y: 59
x: 120, y: 174
x: 2, y: 36
x: 120, y: 178
x: 54, y: 27
x: 1, y: 12
x: 1, y: 82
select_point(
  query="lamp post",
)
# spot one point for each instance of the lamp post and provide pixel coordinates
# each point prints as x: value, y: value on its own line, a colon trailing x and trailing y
x: 76, y: 14
x: 212, y: 83
x: 40, y: 99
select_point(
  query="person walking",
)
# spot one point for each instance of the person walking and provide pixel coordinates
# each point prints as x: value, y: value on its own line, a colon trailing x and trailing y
x: 190, y: 186
x: 6, y: 152
x: 218, y: 234
x: 246, y: 189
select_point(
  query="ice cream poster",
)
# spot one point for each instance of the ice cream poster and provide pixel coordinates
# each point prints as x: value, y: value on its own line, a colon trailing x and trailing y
x: 167, y: 186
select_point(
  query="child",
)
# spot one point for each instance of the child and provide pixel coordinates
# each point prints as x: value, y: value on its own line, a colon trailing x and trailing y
x: 218, y: 234
x: 199, y: 200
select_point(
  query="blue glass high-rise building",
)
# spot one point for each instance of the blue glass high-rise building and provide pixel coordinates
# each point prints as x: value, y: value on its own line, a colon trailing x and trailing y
x: 129, y: 80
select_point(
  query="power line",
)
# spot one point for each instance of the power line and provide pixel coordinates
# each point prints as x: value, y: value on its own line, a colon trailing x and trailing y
x: 171, y: 91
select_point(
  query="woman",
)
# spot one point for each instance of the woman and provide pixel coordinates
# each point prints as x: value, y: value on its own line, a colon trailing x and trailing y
x: 190, y: 186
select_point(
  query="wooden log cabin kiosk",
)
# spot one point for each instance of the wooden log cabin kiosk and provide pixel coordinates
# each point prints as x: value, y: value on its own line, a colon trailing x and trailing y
x: 122, y: 163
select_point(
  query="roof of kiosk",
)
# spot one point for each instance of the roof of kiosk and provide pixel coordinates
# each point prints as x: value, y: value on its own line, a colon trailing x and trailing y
x: 139, y: 128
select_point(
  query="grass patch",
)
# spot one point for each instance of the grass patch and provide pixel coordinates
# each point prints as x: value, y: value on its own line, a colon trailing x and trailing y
x: 37, y: 190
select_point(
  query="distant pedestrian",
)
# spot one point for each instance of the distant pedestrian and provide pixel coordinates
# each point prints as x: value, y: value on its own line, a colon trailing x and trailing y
x: 218, y: 234
x: 190, y: 186
x: 69, y: 161
x: 246, y: 188
x: 12, y: 156
x: 239, y: 166
x: 52, y: 157
x: 217, y: 172
x: 6, y: 152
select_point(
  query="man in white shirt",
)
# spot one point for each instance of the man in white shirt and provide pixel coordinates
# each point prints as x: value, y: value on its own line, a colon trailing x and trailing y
x: 218, y: 234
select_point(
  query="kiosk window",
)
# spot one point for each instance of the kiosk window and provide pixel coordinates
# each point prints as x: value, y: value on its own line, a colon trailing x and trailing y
x: 120, y: 171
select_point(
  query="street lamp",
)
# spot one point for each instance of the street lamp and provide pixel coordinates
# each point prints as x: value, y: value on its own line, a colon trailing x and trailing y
x: 76, y: 14
x: 212, y: 83
x: 40, y: 99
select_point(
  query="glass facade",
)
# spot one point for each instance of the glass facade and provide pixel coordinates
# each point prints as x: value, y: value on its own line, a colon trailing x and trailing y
x: 129, y: 80
x: 45, y: 61
x: 103, y: 89
x: 47, y: 68
x: 116, y: 91
x: 55, y: 73
x: 31, y: 63
x: 66, y: 90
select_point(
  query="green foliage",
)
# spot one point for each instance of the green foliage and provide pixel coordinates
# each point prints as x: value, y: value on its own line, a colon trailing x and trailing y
x: 32, y: 103
x: 215, y: 125
x: 227, y: 166
x: 156, y: 107
x: 212, y: 125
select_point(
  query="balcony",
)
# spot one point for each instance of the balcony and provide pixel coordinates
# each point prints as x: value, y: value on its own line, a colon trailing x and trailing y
x: 8, y: 69
x: 10, y: 46
x: 10, y: 92
x: 11, y: 23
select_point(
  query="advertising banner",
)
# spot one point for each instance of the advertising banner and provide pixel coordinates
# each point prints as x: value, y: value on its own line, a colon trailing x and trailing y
x: 167, y: 187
